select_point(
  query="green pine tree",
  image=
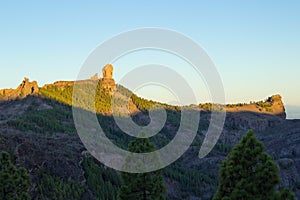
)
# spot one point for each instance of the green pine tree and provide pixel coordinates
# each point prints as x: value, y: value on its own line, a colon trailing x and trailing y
x: 286, y: 194
x: 249, y: 173
x: 14, y: 182
x: 142, y: 186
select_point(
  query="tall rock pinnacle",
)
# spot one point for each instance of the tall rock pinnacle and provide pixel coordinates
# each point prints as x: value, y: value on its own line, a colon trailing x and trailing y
x: 107, y: 82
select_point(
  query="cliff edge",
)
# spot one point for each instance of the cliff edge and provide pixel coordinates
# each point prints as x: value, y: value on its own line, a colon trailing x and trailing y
x: 271, y: 106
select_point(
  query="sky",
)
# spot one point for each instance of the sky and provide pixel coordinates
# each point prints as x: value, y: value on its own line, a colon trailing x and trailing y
x: 255, y: 45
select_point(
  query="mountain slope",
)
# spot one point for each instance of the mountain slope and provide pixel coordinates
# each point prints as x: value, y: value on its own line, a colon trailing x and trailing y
x: 39, y: 132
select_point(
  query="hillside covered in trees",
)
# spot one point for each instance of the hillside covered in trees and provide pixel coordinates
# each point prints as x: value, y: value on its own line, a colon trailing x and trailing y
x: 39, y: 134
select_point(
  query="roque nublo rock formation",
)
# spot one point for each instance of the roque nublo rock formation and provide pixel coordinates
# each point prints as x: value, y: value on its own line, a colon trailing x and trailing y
x: 107, y: 82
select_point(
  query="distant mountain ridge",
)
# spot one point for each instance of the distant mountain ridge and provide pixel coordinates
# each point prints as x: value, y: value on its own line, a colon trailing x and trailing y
x: 240, y: 115
x: 272, y: 105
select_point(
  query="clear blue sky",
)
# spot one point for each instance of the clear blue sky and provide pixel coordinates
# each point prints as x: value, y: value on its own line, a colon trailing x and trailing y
x: 254, y: 44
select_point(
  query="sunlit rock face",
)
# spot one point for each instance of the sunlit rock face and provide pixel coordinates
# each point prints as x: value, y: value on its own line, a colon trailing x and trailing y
x: 107, y: 82
x: 23, y: 90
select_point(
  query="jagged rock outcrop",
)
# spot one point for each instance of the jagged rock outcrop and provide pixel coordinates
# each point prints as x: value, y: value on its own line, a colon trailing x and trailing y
x: 23, y: 90
x: 107, y: 71
x: 272, y: 106
x: 107, y: 82
x: 258, y: 115
x: 95, y: 77
x: 277, y: 105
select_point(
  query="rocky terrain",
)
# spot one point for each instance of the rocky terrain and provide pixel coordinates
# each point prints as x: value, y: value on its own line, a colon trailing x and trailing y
x: 24, y: 89
x: 272, y: 105
x: 39, y: 132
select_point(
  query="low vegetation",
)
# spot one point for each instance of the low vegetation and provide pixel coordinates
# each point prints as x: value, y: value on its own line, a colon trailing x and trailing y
x: 103, y: 182
x: 14, y: 181
x: 38, y: 121
x: 54, y: 188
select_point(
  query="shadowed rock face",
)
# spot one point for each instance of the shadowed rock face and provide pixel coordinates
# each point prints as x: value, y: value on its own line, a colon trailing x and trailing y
x: 23, y: 90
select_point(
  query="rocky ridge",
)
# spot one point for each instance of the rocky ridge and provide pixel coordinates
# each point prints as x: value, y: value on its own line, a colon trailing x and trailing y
x: 61, y: 154
x: 272, y: 105
x: 23, y: 90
